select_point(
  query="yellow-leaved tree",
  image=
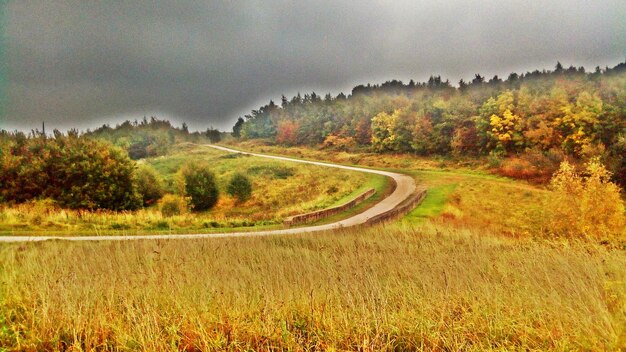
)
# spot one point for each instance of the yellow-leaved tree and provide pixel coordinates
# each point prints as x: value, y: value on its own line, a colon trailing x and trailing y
x: 588, y: 206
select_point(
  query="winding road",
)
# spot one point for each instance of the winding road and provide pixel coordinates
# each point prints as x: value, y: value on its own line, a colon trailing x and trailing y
x: 405, y: 186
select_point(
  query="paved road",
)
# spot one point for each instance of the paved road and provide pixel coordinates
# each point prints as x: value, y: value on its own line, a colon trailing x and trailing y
x: 405, y: 186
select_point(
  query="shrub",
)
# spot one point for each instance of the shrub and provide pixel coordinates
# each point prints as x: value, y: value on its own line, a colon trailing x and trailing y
x: 534, y: 165
x: 338, y: 142
x: 199, y: 184
x: 149, y: 184
x: 93, y: 174
x: 494, y: 159
x: 275, y: 171
x: 240, y: 187
x: 77, y: 172
x: 516, y: 167
x: 588, y: 205
x: 214, y: 135
x: 171, y: 205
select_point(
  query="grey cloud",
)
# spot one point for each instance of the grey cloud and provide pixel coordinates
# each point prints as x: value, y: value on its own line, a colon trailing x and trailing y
x: 83, y: 63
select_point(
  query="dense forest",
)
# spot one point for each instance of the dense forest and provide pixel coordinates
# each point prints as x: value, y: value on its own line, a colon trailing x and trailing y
x: 537, y: 118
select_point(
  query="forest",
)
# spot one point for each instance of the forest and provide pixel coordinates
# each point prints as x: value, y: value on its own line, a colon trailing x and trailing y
x: 524, y: 125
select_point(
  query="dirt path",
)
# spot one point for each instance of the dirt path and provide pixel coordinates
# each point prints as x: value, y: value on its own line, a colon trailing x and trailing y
x: 405, y: 186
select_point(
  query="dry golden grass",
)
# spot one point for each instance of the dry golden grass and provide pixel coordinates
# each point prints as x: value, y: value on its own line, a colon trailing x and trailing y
x: 385, y: 288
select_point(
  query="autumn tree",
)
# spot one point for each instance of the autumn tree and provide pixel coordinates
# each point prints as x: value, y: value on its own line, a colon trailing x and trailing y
x: 287, y: 132
x: 586, y: 205
x: 575, y: 113
x: 383, y: 138
x: 578, y: 122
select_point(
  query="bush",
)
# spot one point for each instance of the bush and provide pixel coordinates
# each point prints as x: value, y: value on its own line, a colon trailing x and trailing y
x: 274, y: 171
x: 214, y: 135
x: 338, y: 142
x: 533, y: 165
x: 586, y: 206
x: 240, y: 187
x: 171, y: 205
x: 199, y: 184
x: 93, y: 174
x: 149, y: 184
x: 77, y: 172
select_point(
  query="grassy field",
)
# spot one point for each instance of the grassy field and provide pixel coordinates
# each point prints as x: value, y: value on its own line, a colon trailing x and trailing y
x: 385, y: 288
x: 280, y: 189
x: 470, y: 200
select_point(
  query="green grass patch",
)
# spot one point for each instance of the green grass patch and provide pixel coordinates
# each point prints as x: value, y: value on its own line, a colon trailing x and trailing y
x: 432, y: 205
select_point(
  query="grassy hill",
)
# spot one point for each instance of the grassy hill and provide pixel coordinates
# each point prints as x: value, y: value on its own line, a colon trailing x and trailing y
x: 279, y: 189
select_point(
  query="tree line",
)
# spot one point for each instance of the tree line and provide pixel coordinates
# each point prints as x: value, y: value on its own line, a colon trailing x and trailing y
x: 562, y: 113
x: 151, y: 137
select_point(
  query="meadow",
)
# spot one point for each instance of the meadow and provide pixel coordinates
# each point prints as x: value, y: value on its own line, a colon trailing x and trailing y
x: 280, y: 189
x: 431, y: 287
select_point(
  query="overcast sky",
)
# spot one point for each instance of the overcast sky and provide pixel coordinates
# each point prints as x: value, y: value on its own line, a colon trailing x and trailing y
x: 85, y: 63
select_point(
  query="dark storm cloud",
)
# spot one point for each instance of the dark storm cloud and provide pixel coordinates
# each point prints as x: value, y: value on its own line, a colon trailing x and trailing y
x: 85, y: 63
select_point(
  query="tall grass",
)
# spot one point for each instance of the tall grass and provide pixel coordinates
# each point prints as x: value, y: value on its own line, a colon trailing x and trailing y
x: 385, y: 288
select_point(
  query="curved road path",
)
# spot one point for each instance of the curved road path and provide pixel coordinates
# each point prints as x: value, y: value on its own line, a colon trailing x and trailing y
x: 405, y: 186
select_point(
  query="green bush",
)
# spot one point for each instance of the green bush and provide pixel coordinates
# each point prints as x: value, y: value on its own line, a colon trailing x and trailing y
x: 199, y: 184
x: 93, y: 174
x: 149, y: 184
x: 171, y: 205
x: 76, y: 172
x: 240, y: 187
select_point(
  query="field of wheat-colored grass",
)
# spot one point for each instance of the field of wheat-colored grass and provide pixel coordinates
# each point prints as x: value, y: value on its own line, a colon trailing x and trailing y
x: 385, y: 288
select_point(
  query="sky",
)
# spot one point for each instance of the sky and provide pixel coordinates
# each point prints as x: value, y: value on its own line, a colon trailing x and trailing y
x: 81, y: 64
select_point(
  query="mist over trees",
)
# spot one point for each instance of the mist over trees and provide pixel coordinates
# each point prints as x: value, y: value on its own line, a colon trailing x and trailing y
x: 567, y: 112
